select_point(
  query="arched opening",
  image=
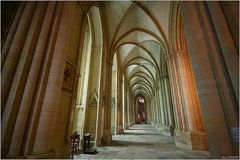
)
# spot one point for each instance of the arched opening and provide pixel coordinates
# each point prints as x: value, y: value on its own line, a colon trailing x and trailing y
x: 80, y: 110
x: 87, y: 107
x: 141, y: 116
x: 91, y: 123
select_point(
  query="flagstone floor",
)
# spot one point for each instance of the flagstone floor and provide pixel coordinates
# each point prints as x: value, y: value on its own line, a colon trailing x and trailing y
x: 143, y: 142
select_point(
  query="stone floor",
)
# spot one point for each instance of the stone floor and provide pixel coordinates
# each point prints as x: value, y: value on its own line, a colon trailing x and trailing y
x: 143, y: 142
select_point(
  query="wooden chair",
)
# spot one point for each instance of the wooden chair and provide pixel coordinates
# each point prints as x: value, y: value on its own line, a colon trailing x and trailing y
x: 74, y: 147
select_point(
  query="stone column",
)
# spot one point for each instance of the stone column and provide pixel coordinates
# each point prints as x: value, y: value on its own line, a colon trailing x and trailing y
x: 192, y: 137
x: 226, y: 42
x: 172, y: 87
x: 230, y: 54
x: 25, y: 105
x: 10, y: 35
x: 164, y: 101
x: 19, y: 78
x: 45, y: 131
x: 134, y: 109
x: 181, y: 56
x: 14, y: 52
x: 128, y: 106
x: 205, y: 64
x: 42, y: 79
x: 123, y: 104
x: 157, y: 107
x: 103, y: 124
x: 169, y: 106
x: 119, y: 127
x: 179, y: 94
x: 154, y: 109
x: 106, y: 134
x: 160, y: 94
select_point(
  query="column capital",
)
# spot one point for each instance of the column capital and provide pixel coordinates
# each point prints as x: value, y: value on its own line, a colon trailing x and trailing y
x: 170, y: 56
x: 181, y: 52
x: 176, y: 53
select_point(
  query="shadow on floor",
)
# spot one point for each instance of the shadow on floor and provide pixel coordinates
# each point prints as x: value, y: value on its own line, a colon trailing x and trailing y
x: 128, y: 143
x: 130, y: 133
x: 80, y: 151
x: 141, y: 129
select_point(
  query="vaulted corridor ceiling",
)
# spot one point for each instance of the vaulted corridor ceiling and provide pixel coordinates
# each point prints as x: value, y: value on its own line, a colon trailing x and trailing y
x: 138, y: 36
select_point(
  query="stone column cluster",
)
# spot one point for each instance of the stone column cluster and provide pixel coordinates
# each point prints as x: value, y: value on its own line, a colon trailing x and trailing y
x: 35, y: 53
x: 215, y: 63
x: 120, y: 98
x: 161, y: 107
x: 189, y: 131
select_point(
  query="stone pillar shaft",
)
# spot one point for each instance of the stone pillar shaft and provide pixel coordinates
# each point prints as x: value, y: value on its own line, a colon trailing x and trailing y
x: 177, y: 96
x: 10, y: 35
x: 165, y: 106
x: 158, y: 111
x: 229, y: 50
x: 119, y: 127
x: 154, y: 109
x: 204, y: 58
x: 186, y: 82
x: 20, y: 76
x: 175, y: 107
x: 181, y: 101
x: 168, y: 103
x: 44, y: 135
x: 31, y: 84
x: 42, y: 79
x: 14, y: 52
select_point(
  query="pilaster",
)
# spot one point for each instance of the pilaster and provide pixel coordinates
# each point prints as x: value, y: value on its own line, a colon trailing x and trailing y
x: 209, y: 77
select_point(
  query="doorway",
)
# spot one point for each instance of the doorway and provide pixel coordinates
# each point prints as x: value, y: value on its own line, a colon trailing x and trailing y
x: 140, y: 107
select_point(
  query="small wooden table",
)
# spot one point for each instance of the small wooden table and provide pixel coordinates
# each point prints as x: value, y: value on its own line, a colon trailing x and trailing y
x: 86, y: 144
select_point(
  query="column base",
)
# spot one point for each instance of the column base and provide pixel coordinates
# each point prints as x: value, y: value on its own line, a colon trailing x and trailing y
x: 12, y: 157
x: 153, y: 123
x: 56, y: 153
x: 48, y: 155
x: 166, y: 130
x: 120, y: 130
x: 126, y: 127
x: 195, y: 140
x: 62, y: 152
x: 130, y: 124
x: 106, y: 139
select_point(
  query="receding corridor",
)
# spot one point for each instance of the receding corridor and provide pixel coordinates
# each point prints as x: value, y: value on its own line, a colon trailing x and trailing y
x: 132, y: 79
x: 143, y: 142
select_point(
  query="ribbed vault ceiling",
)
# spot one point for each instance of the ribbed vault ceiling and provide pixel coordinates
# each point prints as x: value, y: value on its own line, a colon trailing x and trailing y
x: 138, y: 34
